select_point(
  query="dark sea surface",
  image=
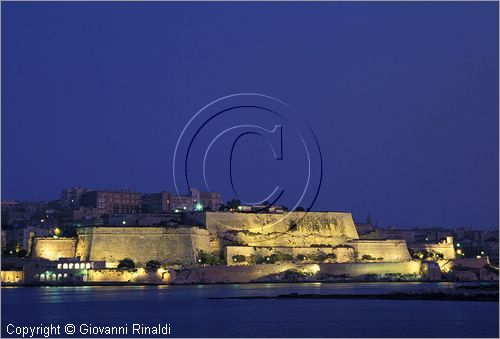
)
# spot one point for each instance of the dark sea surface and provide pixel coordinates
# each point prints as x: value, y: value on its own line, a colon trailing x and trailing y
x: 191, y: 313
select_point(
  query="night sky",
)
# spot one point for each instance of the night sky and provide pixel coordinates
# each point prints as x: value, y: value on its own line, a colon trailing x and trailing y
x: 402, y: 97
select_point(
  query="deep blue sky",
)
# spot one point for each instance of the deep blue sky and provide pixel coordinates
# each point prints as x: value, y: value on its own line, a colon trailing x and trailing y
x: 403, y: 98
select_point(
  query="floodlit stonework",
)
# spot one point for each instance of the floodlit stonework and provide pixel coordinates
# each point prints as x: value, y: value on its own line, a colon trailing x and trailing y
x: 53, y: 249
x: 232, y: 240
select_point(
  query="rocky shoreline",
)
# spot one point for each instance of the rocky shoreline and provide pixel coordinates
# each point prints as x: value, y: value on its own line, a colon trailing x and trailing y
x: 488, y: 293
x: 389, y: 296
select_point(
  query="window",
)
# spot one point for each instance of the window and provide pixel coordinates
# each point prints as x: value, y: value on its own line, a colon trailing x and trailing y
x: 65, y: 266
x: 71, y: 266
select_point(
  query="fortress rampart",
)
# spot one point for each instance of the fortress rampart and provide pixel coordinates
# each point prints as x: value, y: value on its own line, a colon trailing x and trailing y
x: 123, y: 276
x: 298, y: 229
x: 142, y: 244
x: 445, y: 248
x: 355, y: 250
x: 381, y: 250
x: 53, y: 249
x: 263, y: 273
x: 320, y: 236
x: 328, y: 223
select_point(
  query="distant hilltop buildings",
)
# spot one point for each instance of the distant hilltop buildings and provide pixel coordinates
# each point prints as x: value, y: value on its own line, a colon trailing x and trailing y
x: 79, y: 206
x: 96, y: 203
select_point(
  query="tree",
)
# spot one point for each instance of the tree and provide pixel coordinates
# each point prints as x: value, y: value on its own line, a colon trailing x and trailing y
x: 256, y: 259
x: 300, y: 209
x: 330, y: 257
x: 205, y: 258
x: 153, y: 265
x: 278, y: 256
x: 239, y: 258
x: 233, y: 204
x: 301, y: 257
x: 126, y: 263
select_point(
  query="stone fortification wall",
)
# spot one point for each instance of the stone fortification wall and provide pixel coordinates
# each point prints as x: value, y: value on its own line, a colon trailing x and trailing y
x: 260, y: 273
x: 378, y: 268
x: 233, y: 274
x: 381, y: 250
x: 142, y: 244
x: 342, y: 254
x: 382, y: 234
x: 351, y: 251
x: 446, y: 249
x: 298, y: 229
x: 138, y: 276
x: 10, y: 277
x: 53, y: 249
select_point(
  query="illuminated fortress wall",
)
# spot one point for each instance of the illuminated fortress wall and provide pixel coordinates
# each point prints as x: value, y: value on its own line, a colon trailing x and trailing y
x: 299, y: 229
x: 351, y: 251
x: 446, y: 248
x: 263, y: 273
x: 381, y: 250
x: 300, y: 233
x: 342, y: 254
x: 136, y: 276
x: 142, y: 244
x: 53, y: 249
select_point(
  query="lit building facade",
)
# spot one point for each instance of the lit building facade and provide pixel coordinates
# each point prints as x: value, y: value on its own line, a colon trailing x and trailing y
x: 156, y: 202
x: 108, y: 202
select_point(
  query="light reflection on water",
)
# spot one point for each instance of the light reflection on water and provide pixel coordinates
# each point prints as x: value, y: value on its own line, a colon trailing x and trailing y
x: 192, y: 314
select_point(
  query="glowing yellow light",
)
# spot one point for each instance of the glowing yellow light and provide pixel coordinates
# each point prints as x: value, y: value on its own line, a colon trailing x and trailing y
x: 459, y: 251
x: 315, y: 268
x: 57, y: 231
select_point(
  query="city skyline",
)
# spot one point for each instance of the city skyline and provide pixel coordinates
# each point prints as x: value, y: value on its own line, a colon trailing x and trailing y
x: 358, y: 218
